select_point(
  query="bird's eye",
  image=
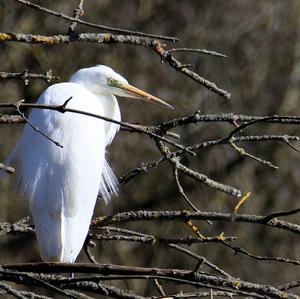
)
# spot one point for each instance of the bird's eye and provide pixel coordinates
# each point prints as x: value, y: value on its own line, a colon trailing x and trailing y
x: 113, y: 82
x: 110, y: 81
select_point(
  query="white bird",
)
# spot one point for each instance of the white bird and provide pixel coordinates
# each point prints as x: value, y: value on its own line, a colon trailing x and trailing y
x: 61, y: 183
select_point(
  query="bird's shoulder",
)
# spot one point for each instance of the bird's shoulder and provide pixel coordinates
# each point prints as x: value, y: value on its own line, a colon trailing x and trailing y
x: 57, y: 94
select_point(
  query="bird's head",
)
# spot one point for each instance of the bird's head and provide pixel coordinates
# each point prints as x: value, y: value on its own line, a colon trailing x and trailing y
x: 102, y: 79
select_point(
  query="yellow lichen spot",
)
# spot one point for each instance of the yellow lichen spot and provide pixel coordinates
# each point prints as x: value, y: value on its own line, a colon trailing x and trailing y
x: 37, y: 39
x: 200, y: 235
x: 43, y: 39
x: 221, y: 237
x: 49, y: 40
x: 241, y: 201
x: 154, y: 241
x: 5, y: 36
x: 187, y: 212
x: 106, y: 37
x: 99, y: 220
x: 195, y: 229
x: 189, y: 223
x: 236, y: 284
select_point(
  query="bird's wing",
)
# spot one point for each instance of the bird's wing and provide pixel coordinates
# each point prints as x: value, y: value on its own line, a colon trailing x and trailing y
x: 61, y: 183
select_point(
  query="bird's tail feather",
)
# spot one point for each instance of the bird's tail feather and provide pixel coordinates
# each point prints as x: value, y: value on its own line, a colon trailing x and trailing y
x: 109, y: 183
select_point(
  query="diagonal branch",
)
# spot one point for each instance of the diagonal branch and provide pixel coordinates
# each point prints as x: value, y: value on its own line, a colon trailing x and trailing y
x: 64, y: 109
x: 172, y: 61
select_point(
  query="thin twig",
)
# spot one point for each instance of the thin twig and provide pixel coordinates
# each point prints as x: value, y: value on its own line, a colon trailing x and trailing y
x: 11, y: 291
x: 280, y: 214
x: 196, y: 175
x: 173, y: 246
x: 159, y: 287
x: 35, y: 128
x: 289, y: 285
x: 158, y: 47
x: 181, y: 191
x: 89, y: 243
x: 93, y: 25
x: 243, y: 152
x: 77, y: 13
x: 238, y: 249
x: 202, y: 51
x: 147, y: 166
x: 6, y: 168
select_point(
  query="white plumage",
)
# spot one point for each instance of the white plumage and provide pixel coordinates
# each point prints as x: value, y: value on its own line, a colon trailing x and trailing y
x: 61, y: 184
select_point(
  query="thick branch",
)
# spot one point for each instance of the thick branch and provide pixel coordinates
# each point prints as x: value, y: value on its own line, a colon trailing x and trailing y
x: 185, y: 276
x: 93, y: 25
x: 63, y: 109
x: 107, y: 38
x: 183, y: 216
x: 26, y: 75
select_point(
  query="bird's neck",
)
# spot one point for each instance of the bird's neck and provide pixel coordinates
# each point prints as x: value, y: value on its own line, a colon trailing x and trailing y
x: 109, y: 105
x: 112, y: 111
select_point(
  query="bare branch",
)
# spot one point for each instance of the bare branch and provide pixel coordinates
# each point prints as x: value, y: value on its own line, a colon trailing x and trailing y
x: 238, y: 249
x: 146, y: 166
x: 202, y: 51
x: 243, y: 152
x: 106, y: 38
x: 63, y: 109
x: 159, y: 287
x: 167, y: 57
x: 155, y: 240
x: 181, y: 191
x: 197, y: 117
x: 182, y: 216
x: 280, y: 214
x: 78, y: 12
x: 7, y: 169
x: 196, y: 175
x: 26, y: 75
x: 209, y: 182
x: 185, y: 276
x: 10, y: 119
x: 35, y: 128
x: 289, y: 285
x: 93, y: 25
x: 9, y: 290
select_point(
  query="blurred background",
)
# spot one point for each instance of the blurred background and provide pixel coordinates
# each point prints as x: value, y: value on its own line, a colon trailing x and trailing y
x: 262, y: 71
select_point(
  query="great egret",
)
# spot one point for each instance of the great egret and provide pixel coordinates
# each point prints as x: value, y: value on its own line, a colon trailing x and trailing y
x: 61, y: 184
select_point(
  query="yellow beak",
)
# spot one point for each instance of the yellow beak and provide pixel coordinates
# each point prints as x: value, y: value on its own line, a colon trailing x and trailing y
x: 127, y: 90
